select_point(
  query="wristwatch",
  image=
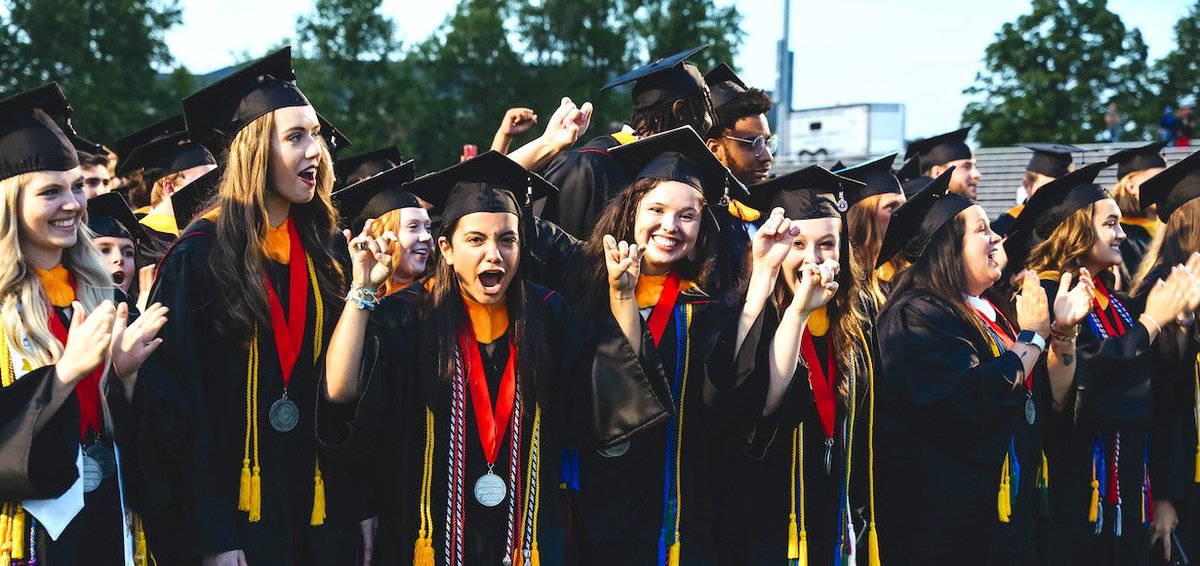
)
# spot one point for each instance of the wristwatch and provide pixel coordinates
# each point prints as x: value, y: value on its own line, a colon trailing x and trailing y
x: 1032, y: 338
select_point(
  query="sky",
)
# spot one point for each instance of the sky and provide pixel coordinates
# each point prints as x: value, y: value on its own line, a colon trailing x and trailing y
x: 921, y: 53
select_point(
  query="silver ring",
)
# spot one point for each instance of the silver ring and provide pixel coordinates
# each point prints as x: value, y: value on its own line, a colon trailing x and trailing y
x: 361, y: 245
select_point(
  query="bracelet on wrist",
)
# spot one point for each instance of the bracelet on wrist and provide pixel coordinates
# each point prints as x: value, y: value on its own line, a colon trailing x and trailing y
x: 363, y: 298
x: 1060, y: 334
x: 1145, y: 317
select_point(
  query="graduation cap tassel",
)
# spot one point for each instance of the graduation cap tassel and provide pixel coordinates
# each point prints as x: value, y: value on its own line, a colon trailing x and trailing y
x: 318, y: 508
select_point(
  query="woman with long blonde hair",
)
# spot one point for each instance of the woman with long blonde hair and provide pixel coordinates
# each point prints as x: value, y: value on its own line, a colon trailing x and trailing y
x: 232, y: 472
x: 870, y: 212
x: 63, y: 343
x: 1134, y: 167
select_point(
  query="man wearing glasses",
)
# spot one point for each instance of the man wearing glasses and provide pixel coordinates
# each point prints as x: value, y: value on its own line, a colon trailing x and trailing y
x: 741, y: 138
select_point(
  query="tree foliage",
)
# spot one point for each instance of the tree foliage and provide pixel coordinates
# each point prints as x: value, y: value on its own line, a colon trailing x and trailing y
x: 109, y: 55
x: 1050, y: 75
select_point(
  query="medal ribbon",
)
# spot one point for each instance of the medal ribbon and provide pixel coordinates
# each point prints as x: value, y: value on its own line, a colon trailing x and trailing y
x: 491, y: 426
x: 1116, y: 327
x: 821, y: 380
x: 88, y: 388
x: 662, y: 309
x: 289, y: 332
x: 1002, y: 333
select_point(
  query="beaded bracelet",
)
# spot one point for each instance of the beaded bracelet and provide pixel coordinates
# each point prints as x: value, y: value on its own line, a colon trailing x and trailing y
x: 363, y: 298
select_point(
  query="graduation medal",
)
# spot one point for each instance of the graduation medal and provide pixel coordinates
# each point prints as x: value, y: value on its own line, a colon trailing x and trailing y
x: 490, y: 489
x: 289, y: 332
x: 103, y: 457
x: 1030, y: 410
x: 284, y: 414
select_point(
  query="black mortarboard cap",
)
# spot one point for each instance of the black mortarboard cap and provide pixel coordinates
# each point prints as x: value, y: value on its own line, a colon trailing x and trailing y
x: 375, y: 196
x: 490, y: 182
x: 910, y: 170
x: 1003, y: 224
x: 804, y: 194
x: 351, y: 170
x: 30, y: 140
x: 334, y: 137
x: 83, y: 145
x: 1139, y: 158
x: 662, y: 81
x: 216, y: 113
x: 109, y: 215
x: 837, y: 166
x: 165, y: 156
x: 723, y: 85
x: 1051, y: 159
x: 918, y: 220
x: 165, y: 127
x: 1050, y: 206
x: 194, y: 197
x: 940, y: 149
x: 1173, y: 187
x: 679, y: 155
x: 877, y: 177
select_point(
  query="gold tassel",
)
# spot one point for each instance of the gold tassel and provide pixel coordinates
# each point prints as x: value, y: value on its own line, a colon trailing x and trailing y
x: 244, y: 486
x: 872, y: 545
x: 673, y: 554
x: 1094, y: 507
x: 802, y: 554
x: 18, y: 534
x: 423, y: 552
x: 5, y: 535
x: 1003, y: 503
x: 318, y: 509
x: 255, y: 496
x: 793, y: 538
x: 1197, y: 478
x: 535, y: 558
x: 140, y: 552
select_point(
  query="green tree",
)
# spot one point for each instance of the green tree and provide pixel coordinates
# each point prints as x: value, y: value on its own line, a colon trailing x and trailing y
x: 107, y: 55
x: 1050, y: 75
x: 1177, y: 75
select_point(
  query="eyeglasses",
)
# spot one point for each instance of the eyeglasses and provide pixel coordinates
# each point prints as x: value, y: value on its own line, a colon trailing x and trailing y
x: 759, y: 144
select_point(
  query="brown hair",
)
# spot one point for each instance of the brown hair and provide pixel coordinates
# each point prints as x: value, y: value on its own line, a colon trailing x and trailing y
x: 1068, y: 246
x: 241, y: 230
x: 1173, y: 244
x: 1127, y: 199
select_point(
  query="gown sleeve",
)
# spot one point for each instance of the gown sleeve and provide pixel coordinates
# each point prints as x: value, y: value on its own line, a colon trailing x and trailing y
x: 37, y: 464
x: 585, y: 180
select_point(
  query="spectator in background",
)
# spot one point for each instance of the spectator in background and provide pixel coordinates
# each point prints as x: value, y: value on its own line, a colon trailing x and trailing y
x: 1166, y: 125
x: 1113, y: 120
x: 1184, y: 124
x: 96, y: 177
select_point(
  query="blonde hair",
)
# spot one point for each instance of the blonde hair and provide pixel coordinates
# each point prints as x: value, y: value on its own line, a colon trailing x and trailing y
x: 23, y: 304
x: 1127, y: 199
x: 867, y: 242
x: 156, y: 193
x: 1068, y: 245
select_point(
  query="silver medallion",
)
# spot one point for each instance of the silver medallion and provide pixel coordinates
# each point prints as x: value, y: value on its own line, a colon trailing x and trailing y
x: 284, y: 415
x: 92, y: 474
x: 614, y: 451
x: 490, y: 490
x: 104, y: 457
x: 1030, y: 411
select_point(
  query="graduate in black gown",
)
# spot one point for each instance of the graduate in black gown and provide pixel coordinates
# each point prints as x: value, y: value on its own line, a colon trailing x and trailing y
x: 788, y: 493
x: 479, y: 485
x: 1174, y: 361
x: 226, y: 455
x: 1136, y: 166
x: 117, y: 235
x: 649, y: 499
x: 667, y: 94
x: 958, y: 452
x: 936, y: 154
x: 66, y: 353
x: 870, y: 210
x: 1101, y: 494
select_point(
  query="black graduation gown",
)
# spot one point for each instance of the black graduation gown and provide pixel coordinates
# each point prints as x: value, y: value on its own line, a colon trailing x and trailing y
x: 621, y: 495
x: 587, y: 178
x: 1111, y: 394
x: 753, y: 482
x: 1173, y: 433
x: 42, y: 465
x: 598, y: 390
x: 153, y: 247
x: 947, y: 416
x: 1133, y: 249
x: 188, y: 421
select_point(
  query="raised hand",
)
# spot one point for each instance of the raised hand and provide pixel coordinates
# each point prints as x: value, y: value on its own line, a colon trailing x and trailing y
x: 87, y: 342
x: 517, y: 121
x: 370, y: 257
x: 818, y: 285
x: 1033, y: 311
x: 1193, y: 268
x: 145, y: 283
x: 1072, y: 304
x: 623, y: 261
x: 567, y: 124
x: 133, y: 343
x: 1170, y: 298
x: 773, y: 241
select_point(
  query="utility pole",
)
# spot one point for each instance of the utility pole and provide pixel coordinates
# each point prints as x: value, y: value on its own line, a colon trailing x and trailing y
x: 783, y: 85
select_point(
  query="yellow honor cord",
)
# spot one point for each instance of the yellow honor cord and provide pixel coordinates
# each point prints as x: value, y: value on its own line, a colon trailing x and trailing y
x: 423, y: 549
x: 18, y: 533
x: 318, y: 507
x: 793, y: 549
x: 1004, y: 504
x: 873, y: 557
x: 673, y: 552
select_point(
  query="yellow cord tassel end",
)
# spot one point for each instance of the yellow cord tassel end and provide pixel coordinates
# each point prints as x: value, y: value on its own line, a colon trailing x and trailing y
x: 423, y: 550
x: 535, y: 558
x: 5, y: 536
x: 802, y: 550
x: 1094, y: 507
x: 255, y: 496
x: 244, y: 486
x: 1003, y: 501
x: 18, y: 534
x: 318, y: 509
x: 873, y: 545
x: 793, y: 538
x: 673, y: 554
x: 1197, y: 478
